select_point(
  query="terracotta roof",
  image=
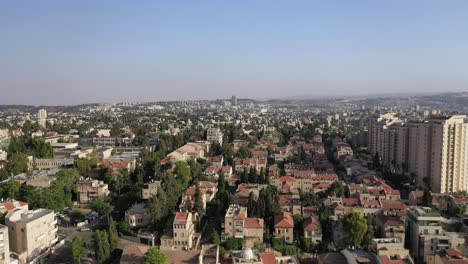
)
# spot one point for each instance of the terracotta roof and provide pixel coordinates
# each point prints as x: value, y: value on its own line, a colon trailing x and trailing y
x: 215, y: 159
x: 284, y: 220
x: 192, y: 190
x: 287, y: 178
x: 393, y: 205
x: 181, y: 218
x: 350, y: 202
x: 268, y: 258
x: 312, y: 224
x: 240, y: 216
x: 253, y: 223
x: 387, y: 260
x: 460, y: 200
x: 133, y: 253
x: 453, y: 252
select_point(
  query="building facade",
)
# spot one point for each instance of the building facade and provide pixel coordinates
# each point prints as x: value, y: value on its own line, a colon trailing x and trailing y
x: 31, y: 233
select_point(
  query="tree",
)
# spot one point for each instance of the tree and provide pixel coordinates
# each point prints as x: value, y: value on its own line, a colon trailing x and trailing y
x: 155, y: 256
x: 102, y: 207
x: 376, y: 162
x: 85, y: 165
x: 215, y: 238
x: 79, y: 250
x: 10, y: 189
x: 427, y: 198
x: 17, y: 164
x: 113, y: 236
x: 355, y: 227
x: 198, y: 200
x: 460, y: 210
x: 77, y: 216
x: 252, y: 205
x: 116, y: 130
x: 4, y: 174
x: 100, y: 242
x: 183, y: 174
x: 336, y: 189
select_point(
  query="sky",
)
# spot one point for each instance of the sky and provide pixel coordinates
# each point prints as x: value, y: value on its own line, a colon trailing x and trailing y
x: 71, y: 52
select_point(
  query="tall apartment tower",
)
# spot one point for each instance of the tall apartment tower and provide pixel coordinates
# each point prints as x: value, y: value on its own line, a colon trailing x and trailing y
x: 436, y: 152
x: 42, y: 115
x: 434, y: 149
x: 233, y: 100
x: 376, y: 132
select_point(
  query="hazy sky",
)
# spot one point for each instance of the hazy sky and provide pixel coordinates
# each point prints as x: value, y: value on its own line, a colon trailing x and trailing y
x: 69, y: 52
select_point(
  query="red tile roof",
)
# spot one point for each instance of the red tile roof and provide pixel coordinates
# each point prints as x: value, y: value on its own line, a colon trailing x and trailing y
x: 268, y: 258
x: 312, y: 224
x: 253, y: 223
x: 284, y: 220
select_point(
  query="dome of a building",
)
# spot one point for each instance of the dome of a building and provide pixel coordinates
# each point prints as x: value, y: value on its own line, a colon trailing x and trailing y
x: 248, y: 253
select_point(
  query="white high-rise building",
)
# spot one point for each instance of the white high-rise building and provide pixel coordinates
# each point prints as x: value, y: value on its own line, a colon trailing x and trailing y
x: 435, y: 150
x: 42, y: 116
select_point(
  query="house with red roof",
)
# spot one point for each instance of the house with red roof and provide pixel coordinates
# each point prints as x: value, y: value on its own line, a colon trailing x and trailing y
x: 253, y: 231
x: 12, y: 204
x: 182, y: 234
x: 284, y: 227
x: 313, y: 229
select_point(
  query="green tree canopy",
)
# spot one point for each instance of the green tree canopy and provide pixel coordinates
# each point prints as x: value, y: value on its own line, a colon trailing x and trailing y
x: 355, y: 227
x: 18, y: 163
x: 155, y: 256
x: 78, y: 249
x: 183, y: 173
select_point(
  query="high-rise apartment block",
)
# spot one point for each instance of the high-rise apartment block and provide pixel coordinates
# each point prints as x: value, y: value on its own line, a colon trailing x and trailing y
x: 433, y: 149
x: 233, y: 100
x: 41, y: 117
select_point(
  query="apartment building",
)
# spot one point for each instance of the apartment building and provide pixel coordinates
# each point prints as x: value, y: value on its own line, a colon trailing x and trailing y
x: 234, y: 221
x: 214, y: 135
x: 42, y: 117
x: 255, y: 163
x: 427, y: 235
x: 4, y: 245
x: 389, y: 247
x: 150, y: 189
x: 376, y: 126
x: 433, y: 149
x: 207, y: 191
x: 89, y: 190
x: 31, y: 232
x: 238, y: 225
x: 304, y: 180
x: 181, y: 236
x: 343, y: 149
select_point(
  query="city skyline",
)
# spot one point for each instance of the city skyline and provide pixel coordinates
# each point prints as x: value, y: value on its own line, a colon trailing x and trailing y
x: 114, y: 51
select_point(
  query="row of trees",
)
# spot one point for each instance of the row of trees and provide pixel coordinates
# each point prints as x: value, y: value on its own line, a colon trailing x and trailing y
x: 60, y: 194
x: 34, y: 146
